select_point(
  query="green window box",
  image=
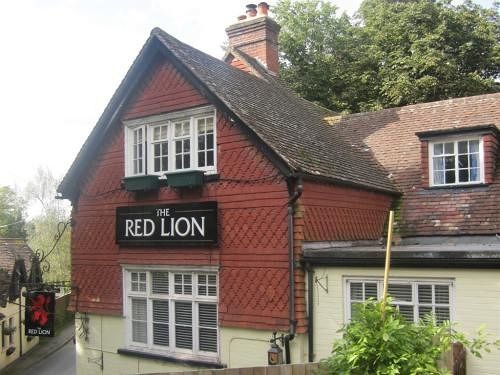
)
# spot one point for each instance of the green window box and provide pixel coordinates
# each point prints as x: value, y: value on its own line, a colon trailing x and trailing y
x: 185, y: 179
x: 142, y: 183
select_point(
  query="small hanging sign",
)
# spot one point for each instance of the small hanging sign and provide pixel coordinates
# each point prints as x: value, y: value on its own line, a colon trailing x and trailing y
x: 39, y: 314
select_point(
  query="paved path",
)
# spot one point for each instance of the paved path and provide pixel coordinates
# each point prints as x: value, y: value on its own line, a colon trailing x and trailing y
x: 56, y: 351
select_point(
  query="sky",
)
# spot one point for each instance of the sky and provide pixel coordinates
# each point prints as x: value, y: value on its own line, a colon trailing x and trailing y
x: 61, y: 61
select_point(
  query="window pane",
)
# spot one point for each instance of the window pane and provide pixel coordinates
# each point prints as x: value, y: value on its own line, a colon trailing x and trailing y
x: 400, y: 292
x: 157, y: 149
x: 442, y: 294
x: 210, y: 124
x: 208, y: 339
x: 160, y: 282
x: 474, y: 160
x: 157, y: 165
x: 139, y: 320
x: 442, y: 314
x: 210, y: 158
x: 449, y: 148
x: 473, y: 146
x: 207, y: 315
x: 210, y: 141
x: 178, y: 162
x: 183, y: 325
x: 407, y: 312
x: 356, y: 291
x: 438, y: 177
x: 186, y: 145
x: 201, y: 142
x: 187, y: 161
x: 438, y: 149
x: 160, y: 323
x: 201, y: 126
x: 371, y: 290
x: 178, y: 147
x: 450, y: 177
x: 449, y: 162
x: 474, y: 174
x: 463, y: 161
x: 438, y: 163
x: 425, y: 293
x: 462, y: 147
x: 423, y: 311
x: 463, y: 175
x: 201, y: 159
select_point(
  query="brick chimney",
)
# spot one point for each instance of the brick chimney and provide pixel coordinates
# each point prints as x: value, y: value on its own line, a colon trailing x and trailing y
x: 256, y: 34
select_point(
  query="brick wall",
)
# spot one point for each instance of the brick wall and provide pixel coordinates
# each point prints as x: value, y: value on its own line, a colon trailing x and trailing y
x: 252, y: 249
x: 390, y: 135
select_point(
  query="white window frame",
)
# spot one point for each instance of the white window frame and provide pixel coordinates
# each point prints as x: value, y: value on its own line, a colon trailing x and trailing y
x: 455, y: 140
x: 412, y: 281
x: 172, y: 297
x: 148, y: 123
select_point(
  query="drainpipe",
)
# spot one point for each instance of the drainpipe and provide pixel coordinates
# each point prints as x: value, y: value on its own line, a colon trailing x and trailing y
x: 291, y: 268
x: 310, y: 312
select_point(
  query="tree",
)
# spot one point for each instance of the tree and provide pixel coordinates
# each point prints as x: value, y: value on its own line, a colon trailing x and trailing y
x: 48, y: 224
x: 12, y: 214
x: 395, y: 52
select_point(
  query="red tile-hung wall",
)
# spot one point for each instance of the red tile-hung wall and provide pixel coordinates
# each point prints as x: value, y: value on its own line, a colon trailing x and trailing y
x: 341, y: 213
x: 424, y: 211
x: 252, y: 248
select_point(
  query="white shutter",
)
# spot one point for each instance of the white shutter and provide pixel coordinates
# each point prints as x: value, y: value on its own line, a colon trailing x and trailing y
x: 139, y: 320
x: 159, y: 282
x: 207, y: 318
x: 160, y: 323
x: 402, y: 295
x: 183, y: 325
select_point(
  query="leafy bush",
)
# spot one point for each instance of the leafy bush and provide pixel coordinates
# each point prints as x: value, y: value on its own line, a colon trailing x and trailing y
x: 384, y: 343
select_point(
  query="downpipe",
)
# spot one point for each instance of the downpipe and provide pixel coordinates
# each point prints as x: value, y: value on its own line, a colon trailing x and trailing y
x: 291, y: 269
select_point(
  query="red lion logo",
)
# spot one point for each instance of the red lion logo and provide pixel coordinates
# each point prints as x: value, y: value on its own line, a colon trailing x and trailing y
x: 40, y: 309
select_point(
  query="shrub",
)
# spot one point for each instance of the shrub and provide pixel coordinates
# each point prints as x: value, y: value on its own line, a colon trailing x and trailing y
x: 384, y: 343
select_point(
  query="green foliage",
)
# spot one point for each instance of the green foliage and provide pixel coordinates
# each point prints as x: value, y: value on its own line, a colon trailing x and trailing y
x: 12, y: 213
x: 41, y: 191
x: 379, y: 343
x: 393, y: 53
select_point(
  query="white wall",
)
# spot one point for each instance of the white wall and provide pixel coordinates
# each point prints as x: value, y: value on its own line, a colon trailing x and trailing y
x: 238, y: 348
x: 476, y: 302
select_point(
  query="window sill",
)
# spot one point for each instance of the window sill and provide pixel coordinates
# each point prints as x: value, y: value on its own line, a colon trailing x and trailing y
x: 455, y: 187
x: 168, y: 357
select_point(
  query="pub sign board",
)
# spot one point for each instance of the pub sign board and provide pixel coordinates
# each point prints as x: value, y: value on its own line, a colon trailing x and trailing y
x: 39, y: 314
x: 184, y: 224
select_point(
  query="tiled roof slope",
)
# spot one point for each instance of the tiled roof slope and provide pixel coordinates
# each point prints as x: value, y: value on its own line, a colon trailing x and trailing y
x: 390, y: 134
x: 296, y: 130
x: 11, y: 250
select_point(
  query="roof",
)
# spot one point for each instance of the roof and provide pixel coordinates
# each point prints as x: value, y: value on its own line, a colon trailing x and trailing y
x: 474, y: 255
x: 296, y: 132
x: 15, y: 262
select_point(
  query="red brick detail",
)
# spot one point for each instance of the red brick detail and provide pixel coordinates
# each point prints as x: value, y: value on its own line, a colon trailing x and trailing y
x: 424, y: 162
x: 252, y: 253
x: 390, y: 134
x: 333, y: 212
x: 258, y: 38
x: 237, y: 63
x: 163, y: 90
x: 491, y: 152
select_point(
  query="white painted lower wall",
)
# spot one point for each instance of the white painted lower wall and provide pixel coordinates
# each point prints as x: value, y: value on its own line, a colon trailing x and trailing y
x: 12, y: 311
x: 238, y: 348
x: 476, y: 303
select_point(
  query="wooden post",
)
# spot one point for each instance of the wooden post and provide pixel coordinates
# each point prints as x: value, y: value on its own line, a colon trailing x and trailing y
x: 387, y: 259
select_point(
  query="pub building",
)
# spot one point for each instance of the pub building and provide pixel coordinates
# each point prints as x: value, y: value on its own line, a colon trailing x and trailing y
x: 214, y: 211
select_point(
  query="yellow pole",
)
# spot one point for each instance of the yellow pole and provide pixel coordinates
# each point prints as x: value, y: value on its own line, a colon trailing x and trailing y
x: 387, y: 258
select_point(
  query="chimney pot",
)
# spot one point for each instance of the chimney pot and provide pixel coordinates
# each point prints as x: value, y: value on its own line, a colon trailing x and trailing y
x: 242, y: 17
x: 251, y: 10
x: 262, y: 8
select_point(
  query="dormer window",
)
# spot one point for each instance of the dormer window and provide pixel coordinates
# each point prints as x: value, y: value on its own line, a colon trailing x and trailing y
x: 180, y: 141
x: 456, y: 162
x: 459, y: 156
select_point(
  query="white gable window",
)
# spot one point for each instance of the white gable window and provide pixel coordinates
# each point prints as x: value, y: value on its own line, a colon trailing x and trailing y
x: 456, y: 162
x: 172, y: 311
x: 414, y: 298
x: 173, y: 142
